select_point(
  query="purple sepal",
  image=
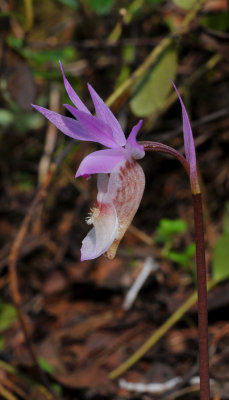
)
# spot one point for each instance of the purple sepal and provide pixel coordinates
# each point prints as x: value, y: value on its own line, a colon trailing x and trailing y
x: 99, y: 131
x: 72, y: 94
x: 68, y: 126
x: 132, y: 145
x: 189, y: 145
x: 104, y: 129
x: 104, y: 113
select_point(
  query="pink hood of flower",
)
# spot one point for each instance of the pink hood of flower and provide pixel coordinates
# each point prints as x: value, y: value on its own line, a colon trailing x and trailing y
x: 119, y: 196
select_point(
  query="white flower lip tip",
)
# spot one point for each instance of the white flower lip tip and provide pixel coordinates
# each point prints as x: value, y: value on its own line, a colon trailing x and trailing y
x: 102, y: 235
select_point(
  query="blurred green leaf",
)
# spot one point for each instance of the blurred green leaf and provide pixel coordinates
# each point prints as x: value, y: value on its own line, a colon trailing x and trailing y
x: 45, y: 365
x: 129, y: 52
x: 2, y: 342
x: 155, y: 1
x: 57, y: 388
x: 166, y: 234
x: 54, y: 55
x: 216, y: 21
x: 220, y: 262
x: 123, y: 75
x: 26, y: 121
x: 226, y: 220
x: 74, y: 4
x: 133, y: 9
x: 7, y: 14
x: 168, y: 228
x: 6, y: 117
x: 8, y: 315
x: 185, y: 4
x: 24, y: 182
x: 150, y: 91
x: 41, y: 57
x: 14, y: 42
x: 101, y: 7
x: 184, y: 258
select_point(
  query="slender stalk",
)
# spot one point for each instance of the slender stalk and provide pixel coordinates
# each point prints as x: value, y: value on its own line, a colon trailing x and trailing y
x: 201, y: 271
x: 163, y: 148
x: 202, y: 289
x: 202, y: 298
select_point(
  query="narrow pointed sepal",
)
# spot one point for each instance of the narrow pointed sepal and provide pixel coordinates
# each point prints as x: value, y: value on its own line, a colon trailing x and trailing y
x: 189, y: 146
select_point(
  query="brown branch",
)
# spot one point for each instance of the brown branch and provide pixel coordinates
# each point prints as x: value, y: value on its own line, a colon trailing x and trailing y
x: 13, y: 279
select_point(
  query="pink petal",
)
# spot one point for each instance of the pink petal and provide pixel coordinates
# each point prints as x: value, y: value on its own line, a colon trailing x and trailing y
x: 102, y: 161
x: 99, y: 239
x: 125, y: 188
x: 68, y: 126
x: 99, y: 131
x: 132, y: 145
x: 104, y: 113
x: 72, y: 94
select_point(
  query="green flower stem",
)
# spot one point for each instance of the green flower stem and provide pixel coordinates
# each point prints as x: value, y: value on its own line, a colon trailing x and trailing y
x: 159, y: 333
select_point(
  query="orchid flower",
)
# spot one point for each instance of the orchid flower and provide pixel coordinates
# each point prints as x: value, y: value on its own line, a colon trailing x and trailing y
x: 121, y: 180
